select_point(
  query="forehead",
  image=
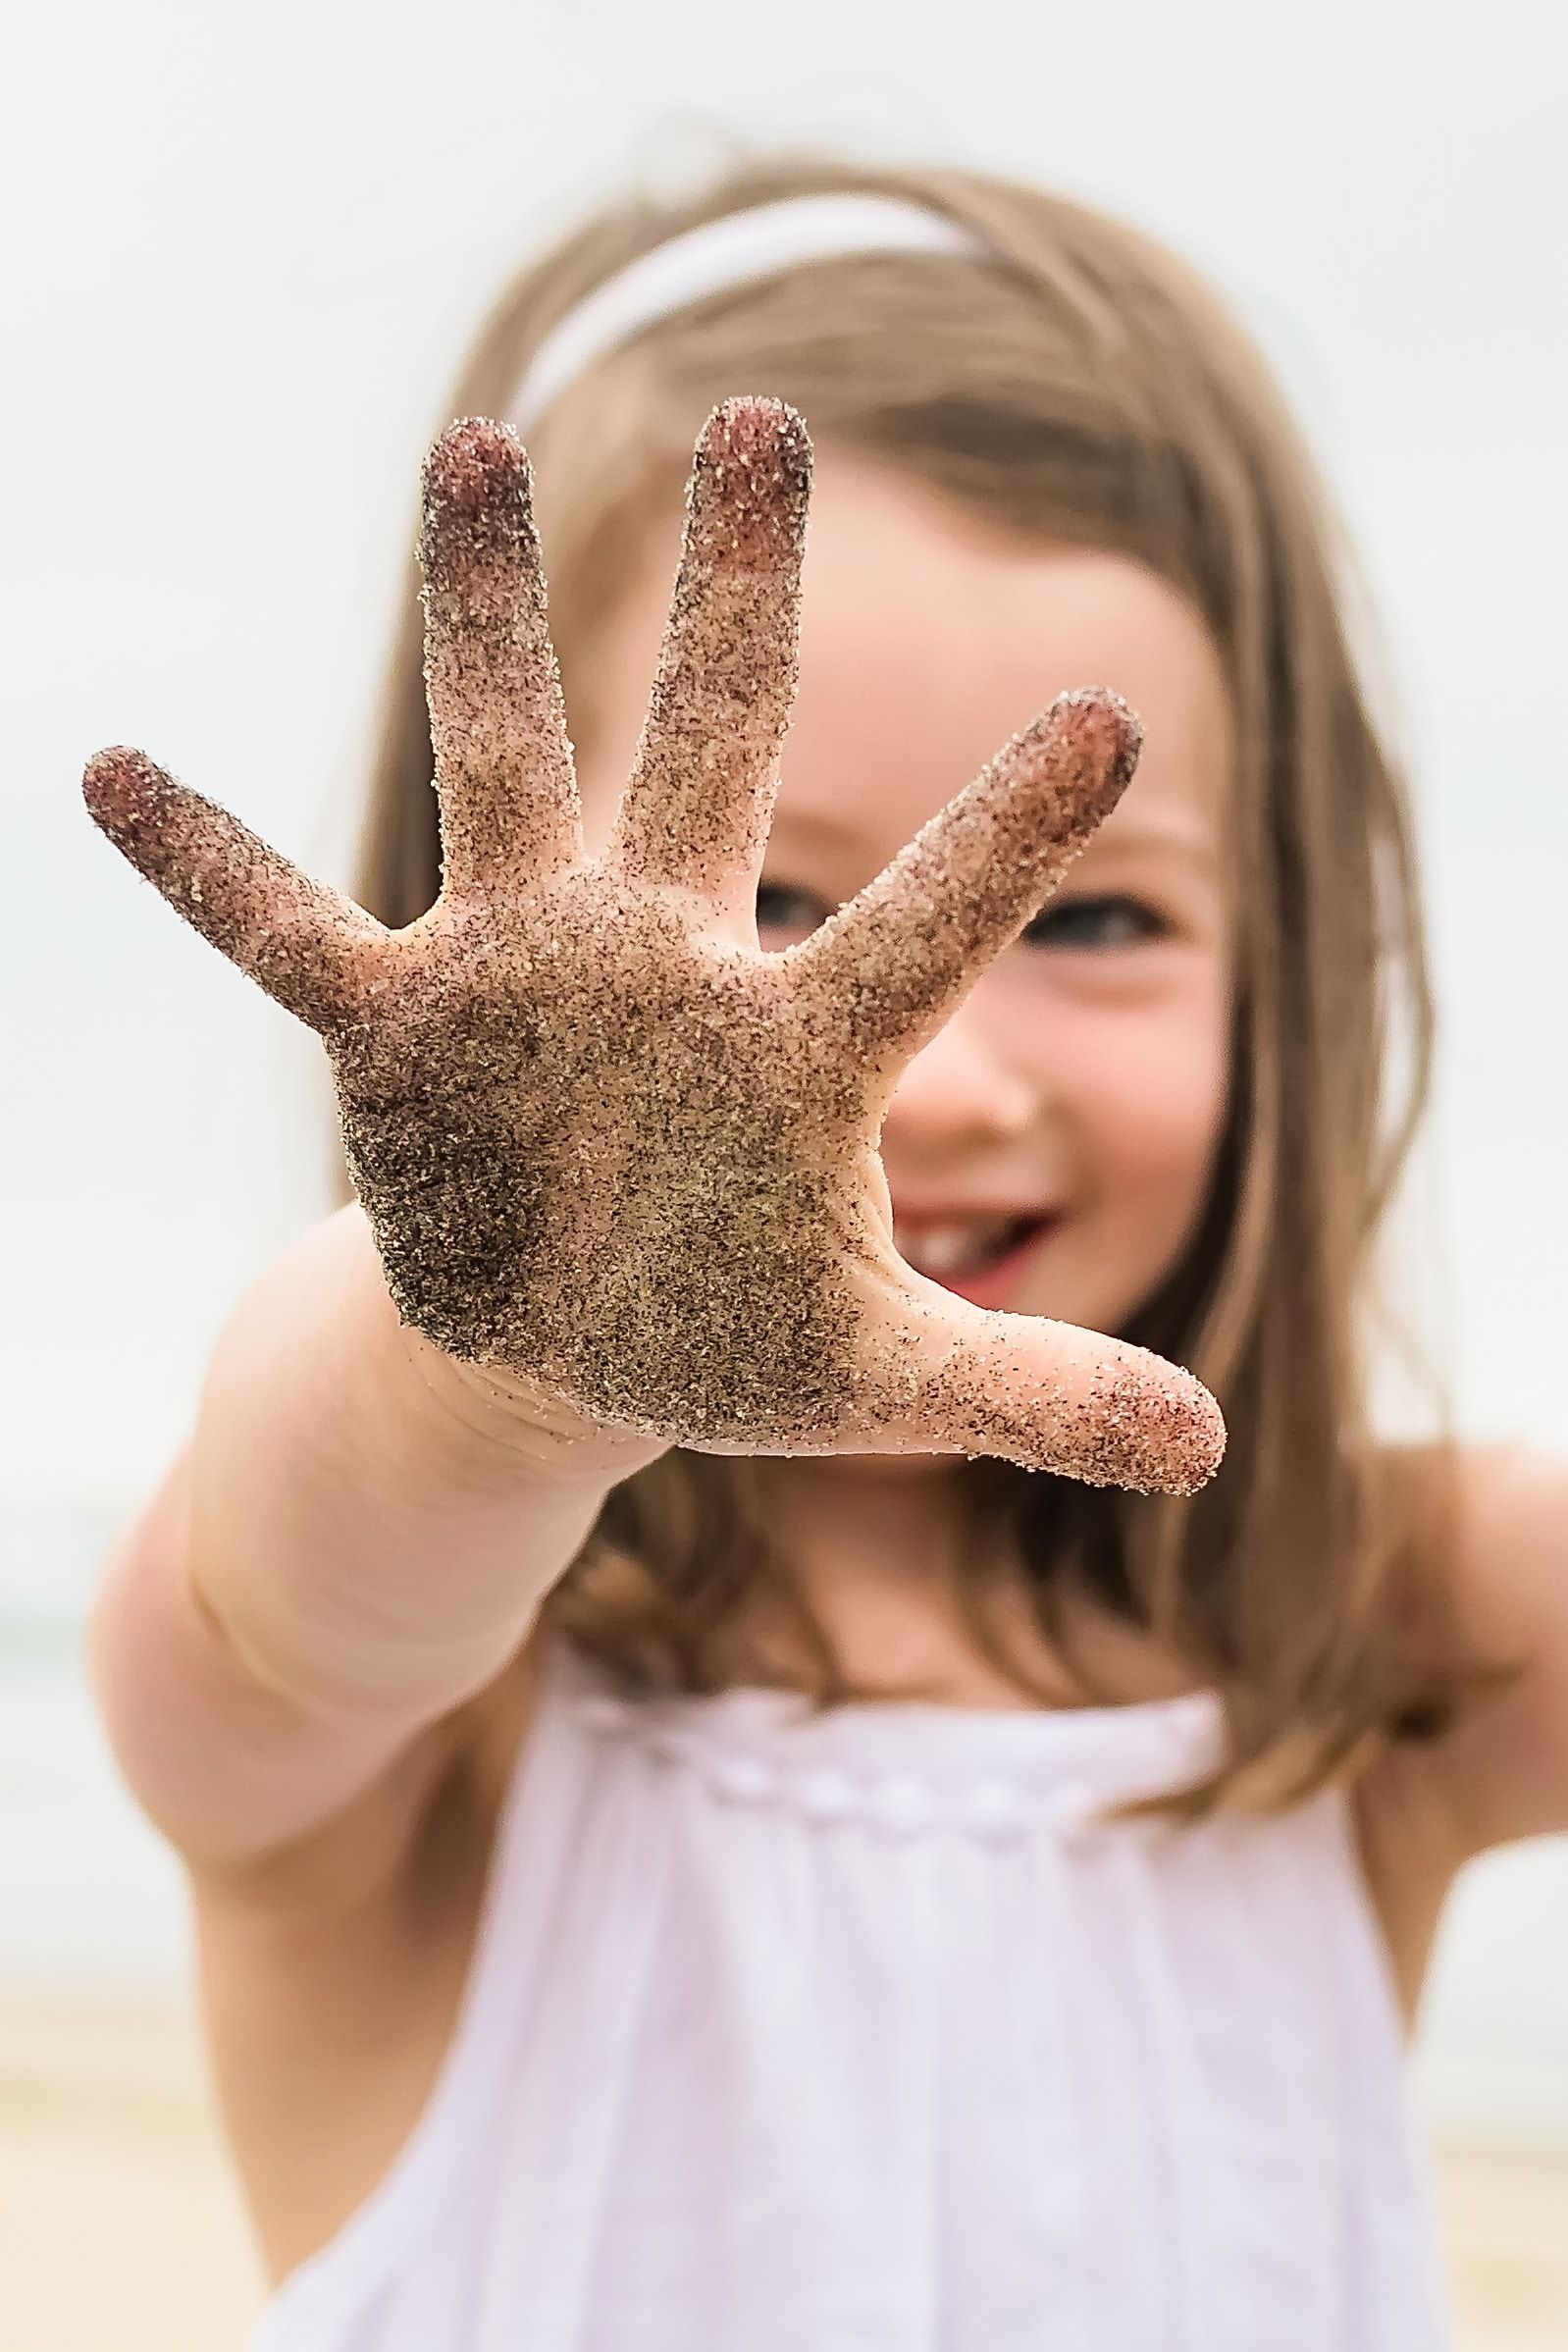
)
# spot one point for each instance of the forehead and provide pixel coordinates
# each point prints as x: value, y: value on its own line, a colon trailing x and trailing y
x: 928, y: 638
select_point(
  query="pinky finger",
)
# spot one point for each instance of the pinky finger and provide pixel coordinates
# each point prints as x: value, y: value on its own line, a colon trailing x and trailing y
x: 310, y: 948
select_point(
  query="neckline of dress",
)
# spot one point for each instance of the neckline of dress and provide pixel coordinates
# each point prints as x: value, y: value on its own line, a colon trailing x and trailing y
x: 1108, y: 1742
x: 767, y: 1700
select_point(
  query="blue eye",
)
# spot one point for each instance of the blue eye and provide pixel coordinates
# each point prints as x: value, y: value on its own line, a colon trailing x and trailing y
x: 1080, y: 923
x: 1087, y: 922
x: 781, y: 909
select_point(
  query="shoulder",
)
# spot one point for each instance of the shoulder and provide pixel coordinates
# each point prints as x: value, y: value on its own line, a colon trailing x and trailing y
x: 1497, y: 1546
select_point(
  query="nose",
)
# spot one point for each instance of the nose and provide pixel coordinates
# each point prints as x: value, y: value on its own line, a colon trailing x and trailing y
x: 961, y: 1086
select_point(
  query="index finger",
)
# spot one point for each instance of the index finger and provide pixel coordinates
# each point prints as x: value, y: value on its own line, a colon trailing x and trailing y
x: 878, y: 980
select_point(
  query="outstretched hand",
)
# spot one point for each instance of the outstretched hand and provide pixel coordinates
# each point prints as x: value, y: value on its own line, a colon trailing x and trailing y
x: 603, y: 1143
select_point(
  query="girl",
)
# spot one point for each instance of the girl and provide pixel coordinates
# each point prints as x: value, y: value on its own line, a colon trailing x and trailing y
x: 742, y: 1783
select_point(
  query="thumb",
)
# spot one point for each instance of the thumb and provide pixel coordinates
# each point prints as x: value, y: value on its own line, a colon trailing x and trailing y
x: 1049, y: 1396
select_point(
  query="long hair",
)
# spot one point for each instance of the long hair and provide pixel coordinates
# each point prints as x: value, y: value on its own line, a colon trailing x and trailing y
x: 1073, y: 380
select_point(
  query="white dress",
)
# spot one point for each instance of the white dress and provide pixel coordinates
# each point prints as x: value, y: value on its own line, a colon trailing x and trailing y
x: 862, y: 2035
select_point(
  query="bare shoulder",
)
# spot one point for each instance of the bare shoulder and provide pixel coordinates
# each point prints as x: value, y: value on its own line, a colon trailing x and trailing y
x: 1500, y: 1770
x: 331, y: 1980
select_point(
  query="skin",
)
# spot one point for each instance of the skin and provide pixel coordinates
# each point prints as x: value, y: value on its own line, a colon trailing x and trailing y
x: 1082, y: 1070
x: 1085, y: 1073
x: 613, y: 1156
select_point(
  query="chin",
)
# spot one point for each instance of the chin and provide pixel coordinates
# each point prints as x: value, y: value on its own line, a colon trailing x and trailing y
x: 1093, y: 1306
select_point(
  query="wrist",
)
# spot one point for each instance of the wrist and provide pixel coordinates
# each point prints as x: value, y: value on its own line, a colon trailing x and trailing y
x: 505, y: 1419
x: 492, y: 1421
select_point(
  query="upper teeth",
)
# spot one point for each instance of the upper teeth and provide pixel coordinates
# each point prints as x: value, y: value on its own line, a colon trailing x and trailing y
x: 942, y: 1248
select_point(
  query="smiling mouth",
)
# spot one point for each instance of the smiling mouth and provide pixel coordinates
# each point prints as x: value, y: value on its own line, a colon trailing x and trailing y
x: 962, y: 1247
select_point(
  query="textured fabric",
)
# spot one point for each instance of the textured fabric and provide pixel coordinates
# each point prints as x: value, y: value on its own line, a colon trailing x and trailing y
x: 862, y: 2035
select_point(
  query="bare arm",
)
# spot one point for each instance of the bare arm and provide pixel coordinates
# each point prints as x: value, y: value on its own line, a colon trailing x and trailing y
x: 1502, y: 1772
x: 355, y: 1541
x: 617, y: 1172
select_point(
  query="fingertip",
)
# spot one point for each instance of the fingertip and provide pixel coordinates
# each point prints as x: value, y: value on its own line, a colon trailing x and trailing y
x: 753, y: 463
x: 1152, y: 1427
x: 755, y: 430
x: 116, y: 784
x: 476, y: 477
x: 1197, y: 1439
x: 471, y: 447
x: 1104, y: 729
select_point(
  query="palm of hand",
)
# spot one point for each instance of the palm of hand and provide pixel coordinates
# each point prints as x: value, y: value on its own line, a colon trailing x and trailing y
x: 602, y: 1140
x: 597, y: 1158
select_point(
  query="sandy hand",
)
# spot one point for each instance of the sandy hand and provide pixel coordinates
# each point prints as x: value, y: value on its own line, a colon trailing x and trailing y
x: 605, y: 1145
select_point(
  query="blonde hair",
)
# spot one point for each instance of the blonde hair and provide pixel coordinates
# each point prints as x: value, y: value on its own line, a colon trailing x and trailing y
x: 1074, y: 380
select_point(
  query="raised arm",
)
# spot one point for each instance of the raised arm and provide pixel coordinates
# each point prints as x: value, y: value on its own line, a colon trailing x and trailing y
x: 617, y: 1170
x: 355, y: 1540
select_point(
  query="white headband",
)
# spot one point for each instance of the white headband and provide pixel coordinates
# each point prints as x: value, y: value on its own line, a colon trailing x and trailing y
x: 729, y: 252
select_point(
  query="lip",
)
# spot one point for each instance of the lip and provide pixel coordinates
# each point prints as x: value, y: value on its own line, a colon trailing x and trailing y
x: 993, y: 1286
x: 961, y: 1211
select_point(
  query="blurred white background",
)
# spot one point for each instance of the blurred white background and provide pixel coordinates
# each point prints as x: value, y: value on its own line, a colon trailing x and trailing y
x: 245, y: 250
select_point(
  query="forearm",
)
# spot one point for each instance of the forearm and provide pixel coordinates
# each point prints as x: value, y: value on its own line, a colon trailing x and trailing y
x: 373, y: 1525
x: 357, y: 1541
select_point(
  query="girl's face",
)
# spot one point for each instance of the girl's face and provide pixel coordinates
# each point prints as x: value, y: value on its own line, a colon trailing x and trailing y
x: 1049, y: 1151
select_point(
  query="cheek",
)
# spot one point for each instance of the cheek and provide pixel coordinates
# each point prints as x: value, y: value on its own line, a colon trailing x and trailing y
x: 1139, y: 1095
x: 1145, y: 1090
x: 1156, y: 1107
